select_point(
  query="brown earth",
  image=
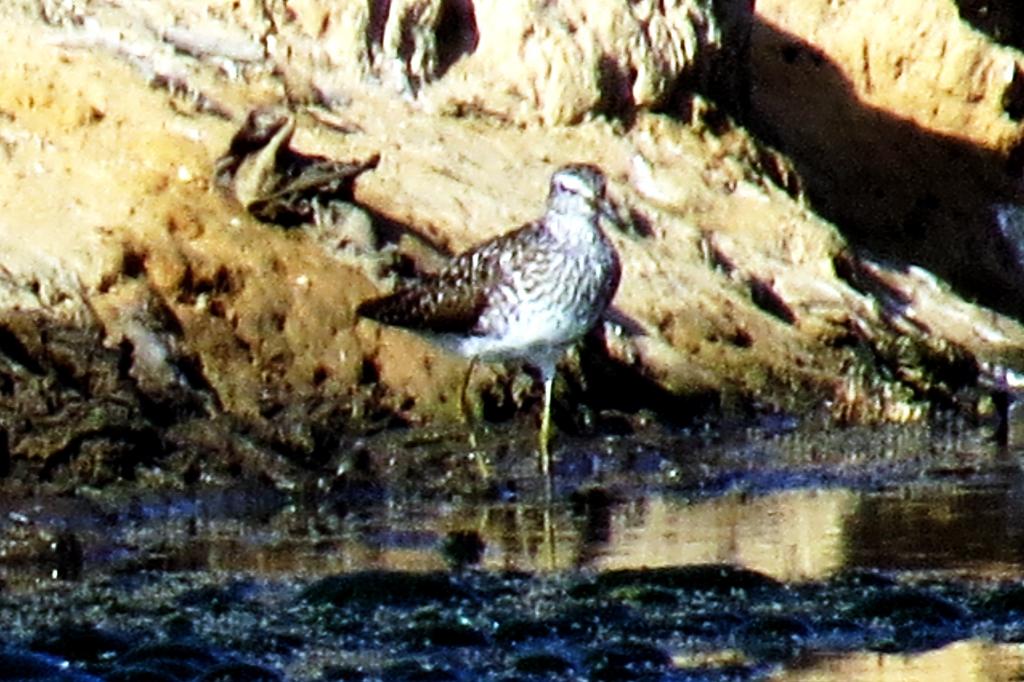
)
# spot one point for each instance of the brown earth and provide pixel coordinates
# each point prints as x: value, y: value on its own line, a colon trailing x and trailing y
x: 112, y: 119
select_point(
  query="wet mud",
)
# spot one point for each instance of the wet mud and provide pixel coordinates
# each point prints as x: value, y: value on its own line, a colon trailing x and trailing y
x: 775, y: 552
x: 148, y: 534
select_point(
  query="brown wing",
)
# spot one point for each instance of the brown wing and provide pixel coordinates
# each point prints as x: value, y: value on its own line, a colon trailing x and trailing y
x: 453, y: 299
x: 436, y: 303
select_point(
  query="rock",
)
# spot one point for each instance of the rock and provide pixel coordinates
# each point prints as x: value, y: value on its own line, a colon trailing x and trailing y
x: 628, y: 661
x: 444, y: 634
x: 369, y: 589
x: 542, y: 663
x: 463, y: 548
x: 25, y: 665
x: 715, y: 578
x: 774, y: 638
x: 276, y: 183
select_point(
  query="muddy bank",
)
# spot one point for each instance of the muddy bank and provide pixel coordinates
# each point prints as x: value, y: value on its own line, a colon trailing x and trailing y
x: 174, y: 304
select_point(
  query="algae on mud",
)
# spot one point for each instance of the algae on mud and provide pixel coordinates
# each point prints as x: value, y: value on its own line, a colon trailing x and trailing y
x: 785, y: 572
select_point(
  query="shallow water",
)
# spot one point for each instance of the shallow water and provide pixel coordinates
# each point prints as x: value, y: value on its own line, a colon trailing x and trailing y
x: 792, y: 534
x: 785, y: 509
x: 780, y: 511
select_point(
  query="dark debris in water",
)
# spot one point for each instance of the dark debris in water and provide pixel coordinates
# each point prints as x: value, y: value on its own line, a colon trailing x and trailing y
x: 123, y: 608
x: 388, y: 588
x: 711, y: 622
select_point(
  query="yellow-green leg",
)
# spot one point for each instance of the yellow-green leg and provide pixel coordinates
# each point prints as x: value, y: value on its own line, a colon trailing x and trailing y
x: 470, y: 423
x: 545, y: 430
x: 548, y: 375
x: 467, y: 418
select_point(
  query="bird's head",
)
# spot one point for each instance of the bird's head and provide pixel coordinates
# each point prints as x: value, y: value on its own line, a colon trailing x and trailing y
x: 580, y: 188
x: 581, y: 181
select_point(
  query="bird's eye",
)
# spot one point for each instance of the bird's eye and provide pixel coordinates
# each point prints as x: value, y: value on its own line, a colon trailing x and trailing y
x: 580, y: 182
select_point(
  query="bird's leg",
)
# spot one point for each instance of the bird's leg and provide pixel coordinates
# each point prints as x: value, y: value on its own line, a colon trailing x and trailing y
x: 547, y: 373
x: 470, y: 423
x: 466, y: 411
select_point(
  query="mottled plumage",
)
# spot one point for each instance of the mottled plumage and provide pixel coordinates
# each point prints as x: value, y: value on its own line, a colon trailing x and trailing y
x: 528, y: 294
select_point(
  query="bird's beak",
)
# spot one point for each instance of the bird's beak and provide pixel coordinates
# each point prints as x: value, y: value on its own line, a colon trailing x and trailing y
x: 610, y: 211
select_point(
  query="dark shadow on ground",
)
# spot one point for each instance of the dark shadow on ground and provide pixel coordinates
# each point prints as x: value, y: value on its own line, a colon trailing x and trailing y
x: 893, y: 188
x: 1001, y: 20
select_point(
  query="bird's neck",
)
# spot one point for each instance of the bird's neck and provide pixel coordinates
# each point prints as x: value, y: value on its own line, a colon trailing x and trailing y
x: 572, y: 218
